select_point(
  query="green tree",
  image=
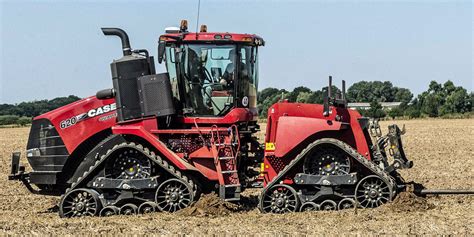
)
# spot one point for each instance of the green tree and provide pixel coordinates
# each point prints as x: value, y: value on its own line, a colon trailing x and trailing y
x: 457, y: 101
x: 375, y: 110
x: 267, y: 92
x: 24, y: 121
x: 395, y: 112
x: 430, y: 105
x: 303, y: 97
x: 8, y: 119
x: 402, y: 95
x: 364, y: 91
x: 293, y: 96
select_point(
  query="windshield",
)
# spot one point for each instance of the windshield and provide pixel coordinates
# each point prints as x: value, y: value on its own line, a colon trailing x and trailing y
x: 212, y: 82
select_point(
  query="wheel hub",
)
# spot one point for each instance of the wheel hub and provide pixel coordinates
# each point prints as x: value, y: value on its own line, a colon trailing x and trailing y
x: 373, y: 193
x: 174, y: 196
x: 80, y: 206
x: 280, y: 202
x: 129, y: 164
x: 327, y: 161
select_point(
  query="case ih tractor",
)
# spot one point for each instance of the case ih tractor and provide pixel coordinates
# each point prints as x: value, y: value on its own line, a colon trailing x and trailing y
x: 157, y: 141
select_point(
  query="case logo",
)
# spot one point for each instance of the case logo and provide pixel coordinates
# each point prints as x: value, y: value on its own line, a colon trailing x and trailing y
x: 90, y: 114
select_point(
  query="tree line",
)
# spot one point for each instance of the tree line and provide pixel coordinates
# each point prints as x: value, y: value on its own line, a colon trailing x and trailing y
x: 23, y: 112
x: 437, y: 100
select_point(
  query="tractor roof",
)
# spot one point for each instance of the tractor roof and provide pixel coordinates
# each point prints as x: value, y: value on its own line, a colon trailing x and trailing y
x: 214, y: 37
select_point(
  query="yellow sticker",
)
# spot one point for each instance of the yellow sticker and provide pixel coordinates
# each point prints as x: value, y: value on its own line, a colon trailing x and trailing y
x: 270, y: 146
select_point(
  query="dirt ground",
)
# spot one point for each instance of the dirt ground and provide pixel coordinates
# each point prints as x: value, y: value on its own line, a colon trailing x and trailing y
x: 442, y: 150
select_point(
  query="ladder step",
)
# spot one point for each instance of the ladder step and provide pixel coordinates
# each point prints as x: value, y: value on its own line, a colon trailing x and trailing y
x: 231, y: 185
x: 229, y: 171
x: 226, y: 158
x: 232, y: 199
x: 225, y: 144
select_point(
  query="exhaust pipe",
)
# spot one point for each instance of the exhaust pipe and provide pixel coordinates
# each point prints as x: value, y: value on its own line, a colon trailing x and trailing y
x: 127, y: 50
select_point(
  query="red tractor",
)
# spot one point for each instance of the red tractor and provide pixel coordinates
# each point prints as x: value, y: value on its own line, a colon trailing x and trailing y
x: 156, y: 141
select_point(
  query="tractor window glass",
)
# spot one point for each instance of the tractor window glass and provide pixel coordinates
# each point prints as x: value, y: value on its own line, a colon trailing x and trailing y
x: 208, y: 72
x: 171, y: 68
x: 248, y: 76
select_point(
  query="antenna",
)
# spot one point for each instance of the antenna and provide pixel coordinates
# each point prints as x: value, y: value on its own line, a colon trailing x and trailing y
x: 197, y: 21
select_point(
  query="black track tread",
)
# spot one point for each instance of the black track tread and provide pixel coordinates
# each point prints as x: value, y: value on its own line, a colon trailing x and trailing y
x: 376, y: 170
x: 150, y: 154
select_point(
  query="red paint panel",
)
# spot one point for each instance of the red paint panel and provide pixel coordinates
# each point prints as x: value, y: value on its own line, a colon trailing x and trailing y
x: 138, y: 129
x: 78, y: 132
x: 294, y: 130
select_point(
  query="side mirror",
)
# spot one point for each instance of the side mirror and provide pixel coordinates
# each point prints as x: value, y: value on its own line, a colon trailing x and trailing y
x: 161, y: 51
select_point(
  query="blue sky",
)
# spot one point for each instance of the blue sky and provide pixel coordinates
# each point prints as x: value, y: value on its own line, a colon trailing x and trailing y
x: 56, y: 48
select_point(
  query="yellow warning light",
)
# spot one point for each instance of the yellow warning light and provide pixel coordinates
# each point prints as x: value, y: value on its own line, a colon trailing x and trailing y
x: 247, y: 39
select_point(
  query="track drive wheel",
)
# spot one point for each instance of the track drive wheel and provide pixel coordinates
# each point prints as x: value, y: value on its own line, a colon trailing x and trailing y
x: 80, y: 202
x: 372, y: 192
x: 327, y: 160
x: 173, y: 195
x: 280, y: 198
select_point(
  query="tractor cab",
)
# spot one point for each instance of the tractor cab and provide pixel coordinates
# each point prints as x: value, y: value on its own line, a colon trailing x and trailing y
x: 211, y: 73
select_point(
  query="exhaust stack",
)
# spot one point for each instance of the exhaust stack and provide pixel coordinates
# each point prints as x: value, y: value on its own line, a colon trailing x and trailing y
x: 127, y: 50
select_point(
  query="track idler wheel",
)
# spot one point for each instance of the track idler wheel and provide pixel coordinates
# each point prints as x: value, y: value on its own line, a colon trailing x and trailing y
x: 80, y: 202
x: 346, y: 203
x: 109, y: 211
x: 309, y: 206
x: 128, y: 209
x: 372, y: 192
x: 280, y: 198
x: 328, y: 205
x: 147, y: 207
x: 173, y: 195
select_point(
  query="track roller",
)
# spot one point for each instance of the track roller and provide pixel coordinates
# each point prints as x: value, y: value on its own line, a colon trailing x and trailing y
x: 309, y: 206
x: 346, y: 203
x: 128, y: 209
x: 280, y: 198
x: 147, y: 207
x: 110, y: 211
x: 328, y: 205
x: 80, y: 202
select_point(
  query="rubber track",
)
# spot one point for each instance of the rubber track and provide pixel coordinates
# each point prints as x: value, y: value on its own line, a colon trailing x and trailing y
x: 150, y: 154
x: 376, y: 170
